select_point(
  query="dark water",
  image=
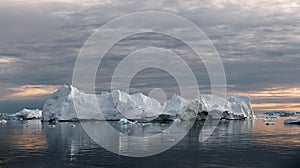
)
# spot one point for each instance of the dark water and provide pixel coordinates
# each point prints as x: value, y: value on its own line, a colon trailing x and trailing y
x: 233, y: 144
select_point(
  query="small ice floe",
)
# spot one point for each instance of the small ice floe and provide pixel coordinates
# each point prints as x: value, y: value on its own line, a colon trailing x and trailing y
x: 52, y: 126
x: 292, y: 121
x: 53, y: 121
x: 164, y: 131
x: 3, y: 121
x: 271, y: 118
x: 177, y: 120
x: 125, y: 121
x: 146, y: 124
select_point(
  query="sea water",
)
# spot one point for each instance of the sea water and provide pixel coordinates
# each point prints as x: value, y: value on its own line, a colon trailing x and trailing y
x: 236, y: 143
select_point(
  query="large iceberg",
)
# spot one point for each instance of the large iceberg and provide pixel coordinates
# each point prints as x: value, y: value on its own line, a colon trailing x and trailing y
x: 113, y: 106
x: 27, y: 114
x: 118, y: 104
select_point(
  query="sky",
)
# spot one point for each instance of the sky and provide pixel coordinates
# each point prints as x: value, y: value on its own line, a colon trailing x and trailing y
x: 258, y: 41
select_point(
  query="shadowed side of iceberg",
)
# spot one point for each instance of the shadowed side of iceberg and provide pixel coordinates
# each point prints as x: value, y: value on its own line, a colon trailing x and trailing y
x: 215, y: 107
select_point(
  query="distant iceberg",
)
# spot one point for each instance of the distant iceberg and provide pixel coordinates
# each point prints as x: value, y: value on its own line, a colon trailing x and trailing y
x: 282, y: 113
x: 2, y: 121
x: 118, y: 104
x: 292, y: 121
x: 26, y: 114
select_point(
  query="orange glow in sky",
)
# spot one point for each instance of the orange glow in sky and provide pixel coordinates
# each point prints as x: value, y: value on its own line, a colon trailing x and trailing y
x: 30, y: 91
x: 279, y: 93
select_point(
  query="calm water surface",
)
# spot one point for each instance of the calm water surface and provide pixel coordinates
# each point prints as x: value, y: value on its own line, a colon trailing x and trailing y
x: 233, y: 144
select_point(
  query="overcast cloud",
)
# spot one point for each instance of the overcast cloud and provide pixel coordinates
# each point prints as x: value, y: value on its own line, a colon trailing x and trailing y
x: 258, y: 41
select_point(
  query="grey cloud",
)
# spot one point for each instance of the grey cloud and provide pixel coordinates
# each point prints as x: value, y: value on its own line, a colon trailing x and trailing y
x: 259, y: 45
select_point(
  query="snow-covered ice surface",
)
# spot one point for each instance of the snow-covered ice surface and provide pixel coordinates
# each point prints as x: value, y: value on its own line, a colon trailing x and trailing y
x: 118, y: 104
x: 27, y: 114
x: 292, y: 121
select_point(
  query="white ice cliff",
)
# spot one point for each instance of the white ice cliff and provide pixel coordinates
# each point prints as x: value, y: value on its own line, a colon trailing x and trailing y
x: 117, y: 105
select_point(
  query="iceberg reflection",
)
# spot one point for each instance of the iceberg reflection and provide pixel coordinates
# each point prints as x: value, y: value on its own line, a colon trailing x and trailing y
x: 137, y: 139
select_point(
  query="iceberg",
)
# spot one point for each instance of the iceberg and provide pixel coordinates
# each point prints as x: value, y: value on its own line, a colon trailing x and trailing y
x: 239, y: 108
x: 26, y: 114
x: 3, y: 115
x: 215, y: 107
x: 292, y: 121
x: 60, y: 106
x: 282, y: 113
x: 124, y: 121
x: 2, y: 121
x: 173, y: 108
x: 114, y: 106
x: 138, y: 107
